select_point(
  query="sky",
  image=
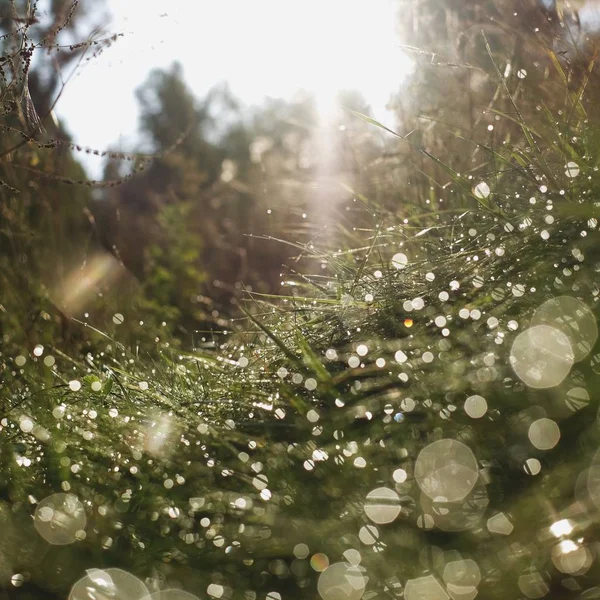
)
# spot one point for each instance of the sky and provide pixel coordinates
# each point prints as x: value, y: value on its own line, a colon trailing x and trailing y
x: 260, y: 47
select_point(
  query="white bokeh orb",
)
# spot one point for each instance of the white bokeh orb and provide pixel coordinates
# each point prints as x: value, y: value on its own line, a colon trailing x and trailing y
x: 60, y: 518
x: 446, y: 470
x: 541, y: 356
x: 111, y: 583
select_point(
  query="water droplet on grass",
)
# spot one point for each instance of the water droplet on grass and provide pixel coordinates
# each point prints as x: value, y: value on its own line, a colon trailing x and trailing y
x: 399, y: 261
x: 572, y: 169
x: 481, y: 190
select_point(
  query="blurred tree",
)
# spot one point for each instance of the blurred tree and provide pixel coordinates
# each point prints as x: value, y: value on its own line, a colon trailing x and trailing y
x: 49, y: 250
x: 234, y: 173
x: 149, y: 219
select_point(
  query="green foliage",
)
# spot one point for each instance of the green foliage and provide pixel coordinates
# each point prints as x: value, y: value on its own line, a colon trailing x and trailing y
x: 395, y: 411
x: 172, y: 274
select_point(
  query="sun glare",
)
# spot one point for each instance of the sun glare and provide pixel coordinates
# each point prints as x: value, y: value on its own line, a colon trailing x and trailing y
x: 261, y: 48
x: 321, y: 47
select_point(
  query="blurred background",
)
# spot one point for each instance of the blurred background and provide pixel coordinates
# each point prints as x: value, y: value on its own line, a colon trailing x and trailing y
x: 256, y: 51
x: 241, y: 105
x: 237, y: 120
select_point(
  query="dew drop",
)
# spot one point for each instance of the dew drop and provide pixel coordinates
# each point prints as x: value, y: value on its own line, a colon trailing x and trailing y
x: 481, y: 190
